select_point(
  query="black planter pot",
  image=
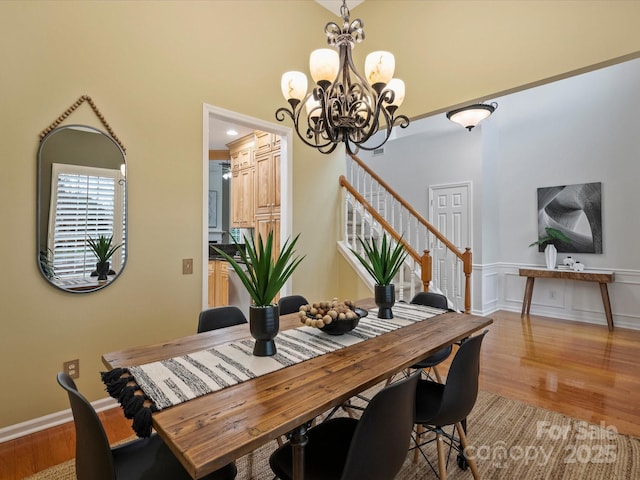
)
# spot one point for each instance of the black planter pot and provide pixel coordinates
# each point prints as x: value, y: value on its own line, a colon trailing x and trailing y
x: 103, y: 270
x: 385, y: 297
x: 264, y: 323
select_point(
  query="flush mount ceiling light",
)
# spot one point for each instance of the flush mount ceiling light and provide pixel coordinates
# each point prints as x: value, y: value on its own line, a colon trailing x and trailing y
x: 344, y: 107
x: 471, y: 115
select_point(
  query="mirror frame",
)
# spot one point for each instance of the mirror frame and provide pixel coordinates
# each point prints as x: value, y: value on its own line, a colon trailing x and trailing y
x: 116, y: 158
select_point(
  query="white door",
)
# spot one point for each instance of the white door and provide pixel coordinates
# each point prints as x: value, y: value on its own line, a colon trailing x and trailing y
x: 449, y: 212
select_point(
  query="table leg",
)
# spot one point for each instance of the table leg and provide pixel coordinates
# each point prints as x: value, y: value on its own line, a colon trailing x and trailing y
x: 528, y: 293
x: 298, y: 439
x: 607, y: 305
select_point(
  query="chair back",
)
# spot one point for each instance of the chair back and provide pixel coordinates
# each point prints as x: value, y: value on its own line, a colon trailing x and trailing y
x: 461, y: 390
x: 431, y: 299
x: 381, y: 440
x: 220, y: 317
x: 94, y: 460
x: 291, y: 304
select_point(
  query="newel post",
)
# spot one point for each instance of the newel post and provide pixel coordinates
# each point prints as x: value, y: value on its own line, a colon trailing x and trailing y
x: 466, y: 265
x: 426, y: 270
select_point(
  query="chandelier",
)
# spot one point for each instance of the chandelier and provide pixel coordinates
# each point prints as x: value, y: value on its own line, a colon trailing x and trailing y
x: 344, y: 107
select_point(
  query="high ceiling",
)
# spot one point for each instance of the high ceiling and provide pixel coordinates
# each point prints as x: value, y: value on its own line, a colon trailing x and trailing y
x: 334, y: 5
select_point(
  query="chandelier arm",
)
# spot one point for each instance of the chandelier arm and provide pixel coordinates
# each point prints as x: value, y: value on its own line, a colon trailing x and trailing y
x: 294, y: 114
x: 362, y: 135
x: 314, y: 127
x: 401, y: 120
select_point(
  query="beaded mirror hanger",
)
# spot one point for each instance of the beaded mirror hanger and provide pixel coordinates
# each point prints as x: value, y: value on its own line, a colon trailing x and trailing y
x: 72, y: 108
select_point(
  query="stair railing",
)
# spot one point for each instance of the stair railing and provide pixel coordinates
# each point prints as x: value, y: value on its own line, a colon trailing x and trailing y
x: 380, y: 207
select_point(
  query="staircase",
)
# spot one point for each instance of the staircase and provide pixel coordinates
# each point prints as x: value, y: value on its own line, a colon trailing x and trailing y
x: 370, y: 208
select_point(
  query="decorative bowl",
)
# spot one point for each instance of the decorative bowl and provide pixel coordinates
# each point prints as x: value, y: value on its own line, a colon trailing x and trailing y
x: 339, y: 327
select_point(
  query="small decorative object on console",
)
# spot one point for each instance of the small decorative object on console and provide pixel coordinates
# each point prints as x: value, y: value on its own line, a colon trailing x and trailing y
x: 578, y: 267
x: 568, y: 261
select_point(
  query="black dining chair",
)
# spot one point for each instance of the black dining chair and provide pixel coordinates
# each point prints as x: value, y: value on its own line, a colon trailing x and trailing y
x: 147, y: 458
x: 291, y: 304
x: 220, y: 317
x: 440, y: 405
x: 371, y: 448
x: 436, y: 300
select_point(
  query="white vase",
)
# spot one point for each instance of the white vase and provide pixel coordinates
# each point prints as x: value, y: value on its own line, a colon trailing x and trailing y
x: 550, y: 256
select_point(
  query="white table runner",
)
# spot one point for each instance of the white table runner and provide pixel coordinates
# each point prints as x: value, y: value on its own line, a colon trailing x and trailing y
x: 170, y: 382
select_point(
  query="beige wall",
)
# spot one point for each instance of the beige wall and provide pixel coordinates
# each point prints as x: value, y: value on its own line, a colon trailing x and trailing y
x: 150, y: 66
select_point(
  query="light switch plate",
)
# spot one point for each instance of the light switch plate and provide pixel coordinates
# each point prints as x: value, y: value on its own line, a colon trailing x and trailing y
x: 187, y: 266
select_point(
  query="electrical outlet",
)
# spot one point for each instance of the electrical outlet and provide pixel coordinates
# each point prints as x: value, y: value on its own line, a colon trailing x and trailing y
x: 187, y: 266
x: 72, y: 368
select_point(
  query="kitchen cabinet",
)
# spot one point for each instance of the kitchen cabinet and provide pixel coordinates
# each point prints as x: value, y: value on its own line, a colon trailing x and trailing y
x: 218, y: 283
x: 242, y: 181
x: 241, y: 152
x: 269, y: 223
x: 267, y: 187
x: 242, y: 198
x: 266, y: 142
x: 267, y: 165
x: 255, y: 183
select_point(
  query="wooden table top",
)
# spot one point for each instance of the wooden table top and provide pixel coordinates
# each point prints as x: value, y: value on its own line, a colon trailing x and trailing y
x: 213, y: 430
x: 585, y: 275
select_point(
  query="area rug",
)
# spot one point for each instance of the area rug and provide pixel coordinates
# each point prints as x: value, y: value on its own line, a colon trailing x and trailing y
x: 509, y: 439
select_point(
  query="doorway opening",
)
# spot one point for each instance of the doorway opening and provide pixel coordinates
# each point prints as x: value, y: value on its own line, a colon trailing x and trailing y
x: 216, y: 120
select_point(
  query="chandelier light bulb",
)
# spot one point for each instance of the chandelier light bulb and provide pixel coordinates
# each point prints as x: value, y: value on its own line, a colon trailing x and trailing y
x: 397, y: 86
x: 379, y: 67
x: 294, y: 85
x: 312, y: 106
x: 324, y: 64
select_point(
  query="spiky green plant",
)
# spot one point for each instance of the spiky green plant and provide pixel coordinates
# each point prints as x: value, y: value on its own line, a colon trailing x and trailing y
x: 266, y: 272
x: 381, y: 262
x: 553, y: 235
x: 46, y: 263
x: 102, y: 248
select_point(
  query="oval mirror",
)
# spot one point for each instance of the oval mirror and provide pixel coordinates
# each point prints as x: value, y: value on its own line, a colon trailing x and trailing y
x: 82, y: 208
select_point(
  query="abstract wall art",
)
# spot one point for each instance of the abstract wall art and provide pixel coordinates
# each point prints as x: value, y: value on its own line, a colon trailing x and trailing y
x: 576, y: 210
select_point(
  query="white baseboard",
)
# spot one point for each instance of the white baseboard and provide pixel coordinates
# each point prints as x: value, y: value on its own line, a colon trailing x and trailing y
x: 42, y: 423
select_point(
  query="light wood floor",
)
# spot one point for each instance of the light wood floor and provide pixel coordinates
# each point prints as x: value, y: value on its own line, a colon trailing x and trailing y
x: 577, y: 369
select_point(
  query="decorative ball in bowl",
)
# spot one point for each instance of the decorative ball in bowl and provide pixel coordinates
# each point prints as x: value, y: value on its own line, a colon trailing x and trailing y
x: 334, y: 317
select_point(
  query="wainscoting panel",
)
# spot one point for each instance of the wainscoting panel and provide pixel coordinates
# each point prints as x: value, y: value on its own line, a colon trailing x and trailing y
x: 500, y: 287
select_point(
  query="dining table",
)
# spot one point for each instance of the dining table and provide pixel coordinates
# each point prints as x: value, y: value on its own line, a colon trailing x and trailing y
x: 209, y: 431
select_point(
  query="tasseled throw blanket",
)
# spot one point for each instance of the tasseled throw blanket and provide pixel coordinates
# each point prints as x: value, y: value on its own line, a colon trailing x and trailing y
x: 144, y: 389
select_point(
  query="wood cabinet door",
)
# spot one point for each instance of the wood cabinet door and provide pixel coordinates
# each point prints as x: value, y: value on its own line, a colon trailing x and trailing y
x: 212, y: 285
x: 264, y: 183
x: 247, y: 197
x: 236, y: 200
x: 242, y: 198
x: 266, y: 224
x: 276, y: 179
x: 221, y: 283
x: 264, y: 142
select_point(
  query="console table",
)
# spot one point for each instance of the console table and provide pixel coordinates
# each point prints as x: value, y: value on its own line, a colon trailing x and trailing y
x: 586, y: 276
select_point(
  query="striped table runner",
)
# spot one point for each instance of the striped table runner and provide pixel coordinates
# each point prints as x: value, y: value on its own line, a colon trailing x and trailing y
x: 176, y: 380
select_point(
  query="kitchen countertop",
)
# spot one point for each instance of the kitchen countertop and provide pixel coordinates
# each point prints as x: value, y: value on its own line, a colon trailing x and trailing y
x: 220, y: 257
